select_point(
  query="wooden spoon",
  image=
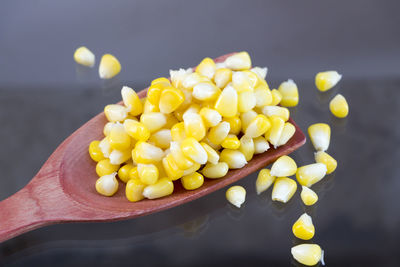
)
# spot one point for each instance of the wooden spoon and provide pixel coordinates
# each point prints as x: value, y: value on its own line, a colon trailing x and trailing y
x: 63, y: 190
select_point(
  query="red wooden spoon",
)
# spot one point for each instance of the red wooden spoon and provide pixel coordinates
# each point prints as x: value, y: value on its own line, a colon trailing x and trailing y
x: 64, y: 191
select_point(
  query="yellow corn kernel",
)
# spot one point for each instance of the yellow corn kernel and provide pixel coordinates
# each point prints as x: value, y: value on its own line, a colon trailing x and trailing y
x: 136, y: 130
x: 260, y: 145
x: 287, y: 133
x: 218, y: 133
x: 146, y: 153
x: 206, y: 68
x: 258, y: 126
x: 281, y: 112
x: 148, y: 173
x: 210, y: 117
x: 303, y: 228
x: 162, y: 188
x: 263, y: 95
x: 105, y: 147
x: 104, y: 167
x: 246, y: 101
x: 212, y: 155
x: 284, y: 189
x: 109, y: 66
x: 325, y: 158
x: 84, y: 56
x: 227, y: 102
x: 234, y: 158
x: 252, y: 77
x: 290, y: 93
x: 264, y: 181
x: 192, y: 79
x: 241, y: 82
x: 214, y: 171
x: 118, y: 138
x: 149, y: 107
x: 239, y: 61
x: 211, y: 144
x: 192, y: 149
x: 307, y: 254
x: 310, y: 174
x: 326, y: 80
x: 170, y: 100
x: 181, y: 160
x: 162, y: 138
x: 118, y: 157
x: 134, y: 174
x: 192, y: 181
x: 171, y: 168
x: 134, y: 190
x: 153, y: 121
x: 131, y: 101
x: 206, y: 91
x: 124, y: 171
x: 154, y: 93
x: 107, y: 128
x: 107, y: 185
x: 231, y: 141
x: 178, y: 76
x: 261, y: 72
x: 339, y: 106
x: 195, y: 167
x: 246, y: 118
x: 247, y: 147
x: 276, y: 97
x: 308, y: 196
x: 95, y: 151
x: 235, y: 125
x: 320, y: 135
x: 178, y: 132
x: 275, y: 132
x: 194, y: 126
x: 222, y: 77
x: 193, y: 108
x: 115, y: 112
x: 284, y: 166
x: 171, y: 121
x: 161, y: 80
x: 236, y: 195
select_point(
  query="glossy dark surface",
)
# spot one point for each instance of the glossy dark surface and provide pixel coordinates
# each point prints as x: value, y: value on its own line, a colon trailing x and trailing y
x: 357, y: 217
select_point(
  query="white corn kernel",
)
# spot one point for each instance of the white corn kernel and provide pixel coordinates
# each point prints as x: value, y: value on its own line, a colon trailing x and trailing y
x: 205, y: 91
x: 284, y: 189
x: 238, y: 61
x: 326, y: 80
x: 260, y: 145
x: 214, y: 171
x: 264, y: 180
x: 153, y: 120
x: 320, y: 135
x: 284, y: 166
x: 107, y: 185
x: 109, y: 66
x: 236, y: 195
x: 84, y: 56
x: 115, y: 112
x: 308, y: 196
x: 310, y: 174
x: 234, y: 158
x: 287, y: 133
x: 281, y: 112
x: 307, y: 254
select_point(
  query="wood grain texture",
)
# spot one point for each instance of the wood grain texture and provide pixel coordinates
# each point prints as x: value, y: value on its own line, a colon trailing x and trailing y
x: 64, y: 191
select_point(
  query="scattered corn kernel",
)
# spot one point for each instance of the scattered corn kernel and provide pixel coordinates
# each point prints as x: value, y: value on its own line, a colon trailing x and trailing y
x: 307, y: 254
x: 134, y: 190
x: 339, y: 106
x: 170, y: 100
x: 264, y: 180
x: 192, y: 181
x: 238, y: 61
x: 109, y: 66
x: 303, y: 228
x: 192, y: 149
x: 115, y: 112
x: 320, y: 135
x: 308, y: 196
x: 287, y: 133
x: 310, y: 174
x: 84, y: 56
x: 153, y: 121
x: 290, y: 93
x: 104, y: 167
x: 284, y: 189
x: 107, y: 185
x: 124, y: 171
x: 326, y: 80
x: 234, y: 158
x: 325, y: 158
x: 162, y: 188
x: 281, y: 112
x: 218, y: 133
x: 227, y: 102
x: 222, y: 77
x: 247, y: 147
x: 95, y: 151
x: 231, y: 141
x: 284, y: 166
x: 260, y: 145
x: 236, y: 195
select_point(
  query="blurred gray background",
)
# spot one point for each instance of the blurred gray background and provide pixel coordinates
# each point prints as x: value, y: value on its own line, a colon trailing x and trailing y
x: 45, y: 96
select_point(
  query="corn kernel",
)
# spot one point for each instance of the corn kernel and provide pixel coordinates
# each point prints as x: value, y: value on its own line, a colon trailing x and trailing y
x: 264, y: 181
x: 261, y: 72
x: 162, y: 80
x: 227, y: 102
x: 211, y: 144
x: 206, y: 91
x: 178, y: 132
x: 115, y: 112
x: 154, y: 93
x: 239, y: 61
x: 153, y: 121
x: 310, y: 174
x: 136, y: 130
x: 214, y: 171
x: 236, y: 195
x: 284, y: 189
x: 339, y: 107
x: 109, y: 66
x: 118, y: 138
x: 290, y: 93
x: 118, y: 157
x: 181, y: 160
x: 326, y: 80
x: 246, y: 101
x: 275, y: 132
x: 171, y: 168
x: 194, y: 126
x: 307, y: 254
x: 192, y: 79
x: 260, y: 145
x: 231, y: 142
x: 149, y: 107
x: 234, y: 158
x: 303, y: 228
x: 162, y: 138
x: 222, y: 77
x: 320, y: 135
x: 192, y: 181
x: 193, y: 108
x: 178, y: 76
x: 276, y: 97
x: 246, y: 118
x: 134, y: 190
x: 235, y: 125
x: 131, y: 101
x: 263, y: 95
x: 206, y: 68
x: 107, y: 128
x: 84, y: 56
x: 218, y: 133
x: 241, y: 82
x: 247, y: 147
x: 192, y: 149
x: 325, y: 158
x: 134, y: 174
x: 148, y: 173
x: 210, y: 117
x: 287, y: 133
x: 124, y: 171
x: 281, y: 112
x: 105, y: 147
x: 258, y: 126
x: 170, y: 100
x: 308, y: 196
x: 252, y: 77
x: 104, y: 167
x: 212, y: 155
x: 146, y: 153
x: 195, y: 167
x: 162, y: 188
x: 107, y: 185
x: 284, y: 166
x: 95, y: 151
